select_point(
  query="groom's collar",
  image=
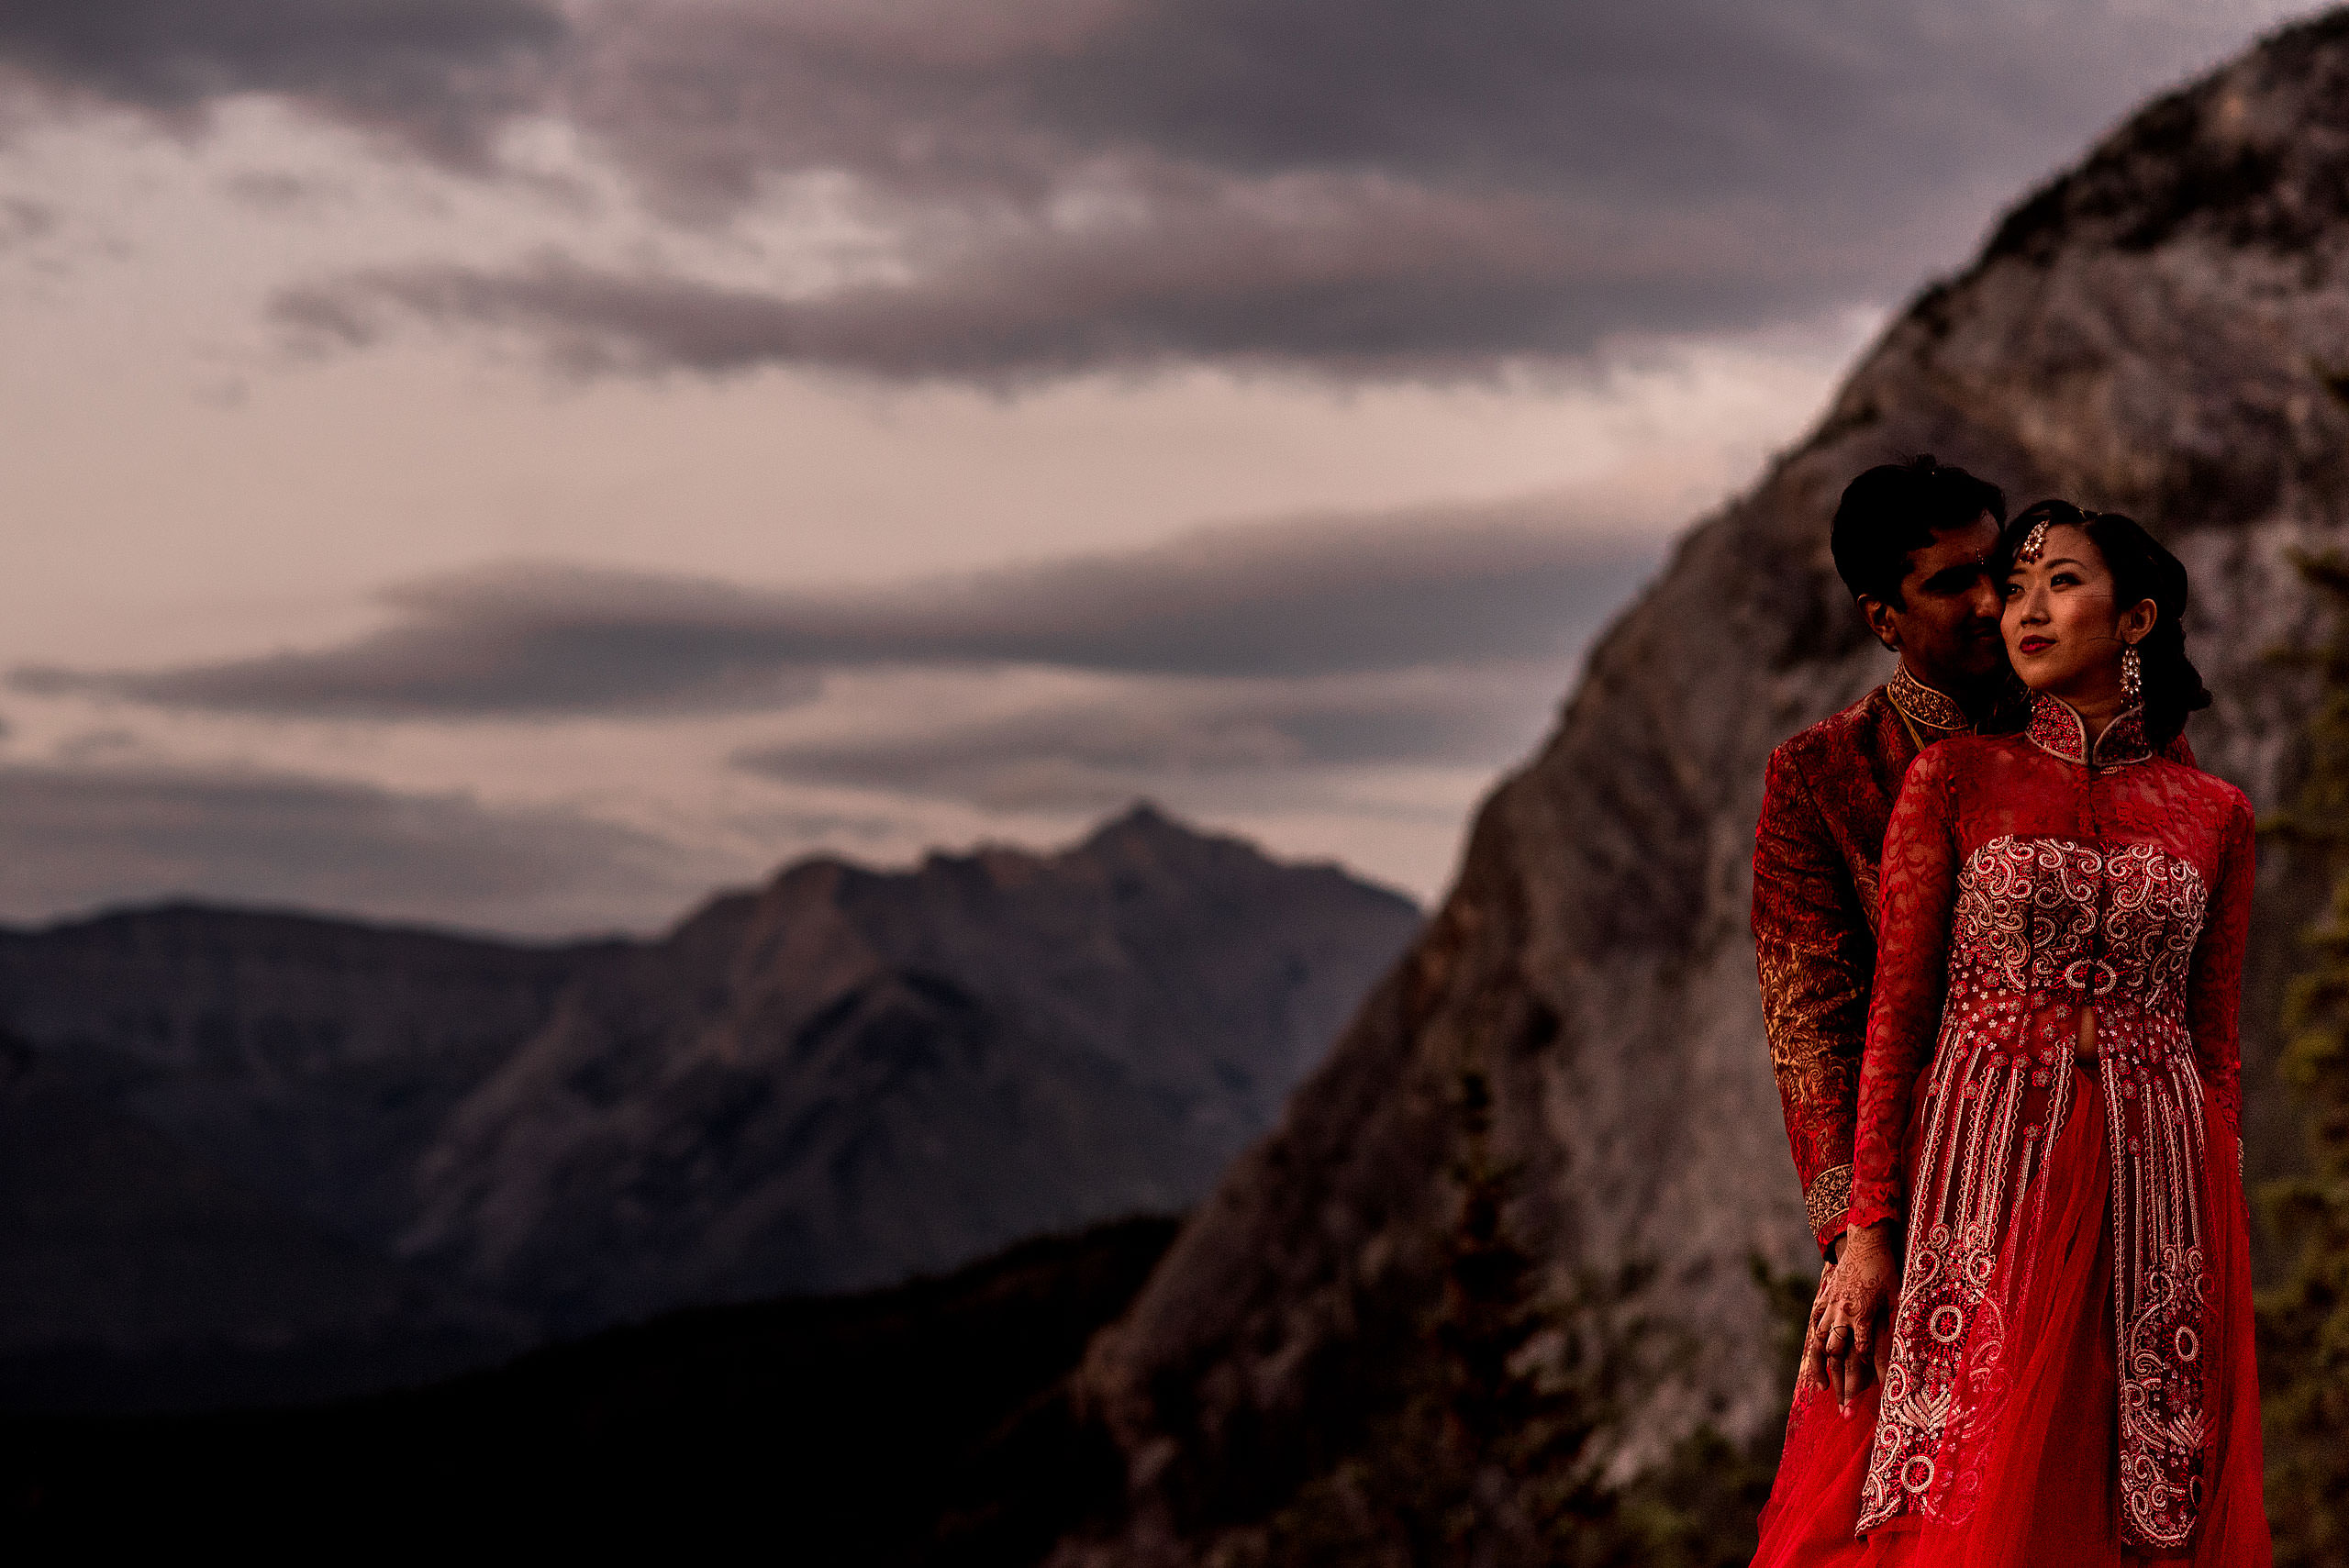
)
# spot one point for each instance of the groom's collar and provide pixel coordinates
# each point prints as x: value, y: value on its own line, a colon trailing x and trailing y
x: 1924, y: 707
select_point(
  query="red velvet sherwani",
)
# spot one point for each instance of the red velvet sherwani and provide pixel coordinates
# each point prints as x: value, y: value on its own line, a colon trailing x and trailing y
x: 1825, y: 803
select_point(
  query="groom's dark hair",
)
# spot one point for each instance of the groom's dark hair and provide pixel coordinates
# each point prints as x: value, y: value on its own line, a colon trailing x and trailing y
x: 1899, y: 506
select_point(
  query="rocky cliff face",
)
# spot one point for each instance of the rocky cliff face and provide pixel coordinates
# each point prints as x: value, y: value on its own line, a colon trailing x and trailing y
x: 2163, y: 331
x: 850, y: 1076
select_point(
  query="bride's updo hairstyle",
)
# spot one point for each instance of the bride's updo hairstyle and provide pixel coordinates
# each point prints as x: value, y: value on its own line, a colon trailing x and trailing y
x: 2141, y: 569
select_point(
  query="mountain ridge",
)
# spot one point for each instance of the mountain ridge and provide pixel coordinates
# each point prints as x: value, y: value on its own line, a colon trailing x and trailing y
x: 1147, y: 941
x: 549, y: 1138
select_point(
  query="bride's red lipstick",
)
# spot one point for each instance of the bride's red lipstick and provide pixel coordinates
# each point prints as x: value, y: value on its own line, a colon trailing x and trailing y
x: 2034, y: 644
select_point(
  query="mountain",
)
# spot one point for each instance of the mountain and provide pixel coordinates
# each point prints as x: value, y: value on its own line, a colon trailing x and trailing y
x: 268, y: 1155
x: 137, y: 1273
x: 2163, y: 330
x: 851, y: 1076
x: 208, y: 1124
x: 312, y: 1058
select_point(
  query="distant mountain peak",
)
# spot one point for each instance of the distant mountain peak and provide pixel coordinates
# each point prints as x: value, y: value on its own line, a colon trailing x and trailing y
x: 1144, y: 816
x: 1146, y: 826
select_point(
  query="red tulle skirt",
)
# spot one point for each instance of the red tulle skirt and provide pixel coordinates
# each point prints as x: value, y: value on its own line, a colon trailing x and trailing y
x: 2050, y: 1493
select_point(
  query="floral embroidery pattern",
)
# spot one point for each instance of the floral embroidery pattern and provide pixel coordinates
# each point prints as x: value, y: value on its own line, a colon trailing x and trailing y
x: 2026, y: 880
x: 2058, y: 730
x: 1827, y: 1198
x: 2035, y: 920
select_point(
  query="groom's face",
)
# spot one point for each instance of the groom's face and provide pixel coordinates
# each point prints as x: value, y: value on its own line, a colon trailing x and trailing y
x: 1947, y: 623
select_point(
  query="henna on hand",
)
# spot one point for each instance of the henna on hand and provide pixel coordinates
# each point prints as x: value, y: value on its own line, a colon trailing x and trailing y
x: 1854, y: 1319
x: 1811, y: 1370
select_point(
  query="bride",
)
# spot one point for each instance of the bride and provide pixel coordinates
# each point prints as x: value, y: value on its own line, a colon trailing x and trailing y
x: 2045, y: 1263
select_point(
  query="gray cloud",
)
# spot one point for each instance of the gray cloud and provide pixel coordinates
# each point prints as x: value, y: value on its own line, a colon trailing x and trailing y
x: 23, y: 221
x: 77, y: 838
x: 501, y: 643
x: 1828, y: 101
x: 435, y: 73
x: 1272, y: 601
x: 1354, y: 276
x: 1204, y: 745
x: 278, y: 191
x: 1373, y: 188
x: 1377, y: 190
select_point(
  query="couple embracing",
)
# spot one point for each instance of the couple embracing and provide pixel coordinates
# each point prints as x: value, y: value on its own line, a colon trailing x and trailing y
x: 2000, y: 917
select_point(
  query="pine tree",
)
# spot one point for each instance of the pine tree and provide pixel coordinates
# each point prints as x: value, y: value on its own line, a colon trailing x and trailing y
x: 1530, y: 1387
x: 1493, y: 1455
x: 1495, y: 1449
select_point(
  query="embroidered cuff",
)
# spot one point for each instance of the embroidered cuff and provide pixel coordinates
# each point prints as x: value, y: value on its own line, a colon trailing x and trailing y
x: 1827, y: 1198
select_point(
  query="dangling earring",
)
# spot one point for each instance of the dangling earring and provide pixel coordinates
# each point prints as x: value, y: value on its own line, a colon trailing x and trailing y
x: 2133, y: 677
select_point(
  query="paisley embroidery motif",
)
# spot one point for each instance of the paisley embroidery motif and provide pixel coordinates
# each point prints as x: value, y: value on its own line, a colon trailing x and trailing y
x: 2027, y: 918
x: 2163, y: 1427
x: 2041, y: 928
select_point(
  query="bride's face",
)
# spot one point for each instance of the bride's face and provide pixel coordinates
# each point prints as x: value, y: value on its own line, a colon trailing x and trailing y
x: 2062, y: 631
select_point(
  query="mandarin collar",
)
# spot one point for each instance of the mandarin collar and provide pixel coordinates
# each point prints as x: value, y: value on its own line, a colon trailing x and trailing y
x: 1921, y: 705
x: 2057, y: 728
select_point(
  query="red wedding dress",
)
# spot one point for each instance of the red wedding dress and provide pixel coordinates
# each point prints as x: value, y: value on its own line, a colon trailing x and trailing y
x: 2071, y: 1378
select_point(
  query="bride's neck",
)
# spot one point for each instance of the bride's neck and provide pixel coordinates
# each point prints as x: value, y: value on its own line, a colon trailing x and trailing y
x: 2097, y: 709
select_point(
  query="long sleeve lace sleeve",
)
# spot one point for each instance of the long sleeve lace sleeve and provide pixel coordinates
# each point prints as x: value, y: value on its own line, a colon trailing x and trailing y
x: 2214, y: 986
x: 1919, y: 885
x: 1812, y: 945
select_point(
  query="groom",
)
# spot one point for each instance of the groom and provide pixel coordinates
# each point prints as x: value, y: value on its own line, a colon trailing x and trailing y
x: 1912, y: 541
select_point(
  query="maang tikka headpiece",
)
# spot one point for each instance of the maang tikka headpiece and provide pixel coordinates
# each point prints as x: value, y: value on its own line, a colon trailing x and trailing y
x: 2034, y: 543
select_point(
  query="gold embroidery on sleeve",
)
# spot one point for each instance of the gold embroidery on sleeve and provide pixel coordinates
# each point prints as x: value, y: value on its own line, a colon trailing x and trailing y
x: 1828, y: 1199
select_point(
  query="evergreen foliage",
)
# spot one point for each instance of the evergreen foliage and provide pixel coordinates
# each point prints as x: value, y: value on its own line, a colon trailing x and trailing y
x: 1700, y: 1507
x: 1497, y: 1451
x: 2304, y: 1322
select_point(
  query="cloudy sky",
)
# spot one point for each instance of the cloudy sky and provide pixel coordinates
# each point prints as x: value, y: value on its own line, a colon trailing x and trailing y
x: 521, y: 463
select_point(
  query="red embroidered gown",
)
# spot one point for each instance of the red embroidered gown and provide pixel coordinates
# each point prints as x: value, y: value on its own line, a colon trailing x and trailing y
x: 2071, y: 1377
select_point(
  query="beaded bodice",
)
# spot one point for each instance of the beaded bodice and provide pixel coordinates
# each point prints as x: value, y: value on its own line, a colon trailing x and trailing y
x: 2041, y: 920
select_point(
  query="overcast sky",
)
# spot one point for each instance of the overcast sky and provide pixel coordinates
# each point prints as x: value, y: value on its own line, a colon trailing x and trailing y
x: 522, y: 464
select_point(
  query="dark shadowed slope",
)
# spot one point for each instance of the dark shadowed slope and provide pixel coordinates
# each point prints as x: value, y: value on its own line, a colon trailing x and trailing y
x: 213, y: 1117
x: 2163, y: 331
x: 312, y: 1057
x: 135, y: 1275
x: 926, y: 1424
